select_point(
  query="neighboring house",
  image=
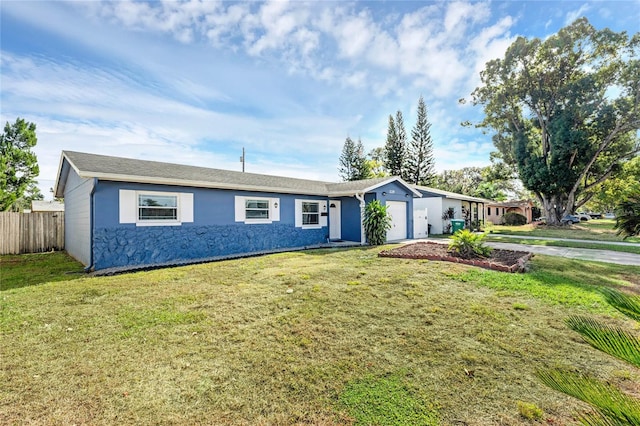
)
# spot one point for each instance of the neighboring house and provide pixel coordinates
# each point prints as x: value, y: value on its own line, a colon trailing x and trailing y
x: 47, y: 206
x: 122, y: 212
x: 495, y: 211
x: 435, y: 202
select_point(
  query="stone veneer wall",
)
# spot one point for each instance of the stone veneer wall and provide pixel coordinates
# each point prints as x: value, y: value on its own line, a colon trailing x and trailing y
x: 148, y: 245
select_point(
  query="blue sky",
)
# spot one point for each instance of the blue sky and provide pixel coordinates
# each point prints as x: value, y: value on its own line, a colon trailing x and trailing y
x: 194, y: 82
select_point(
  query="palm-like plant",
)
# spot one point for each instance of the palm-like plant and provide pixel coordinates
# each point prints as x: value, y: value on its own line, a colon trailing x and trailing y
x: 376, y: 223
x: 628, y: 217
x: 613, y: 407
x: 468, y: 244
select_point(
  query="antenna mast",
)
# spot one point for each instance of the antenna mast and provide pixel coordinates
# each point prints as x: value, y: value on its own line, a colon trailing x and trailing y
x: 242, y: 159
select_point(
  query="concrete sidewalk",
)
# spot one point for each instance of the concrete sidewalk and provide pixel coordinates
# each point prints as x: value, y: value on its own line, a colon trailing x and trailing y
x: 606, y: 256
x: 526, y: 237
x: 595, y: 255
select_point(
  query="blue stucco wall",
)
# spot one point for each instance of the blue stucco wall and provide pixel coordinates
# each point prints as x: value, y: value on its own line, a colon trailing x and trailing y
x: 214, y: 231
x: 396, y: 192
x: 132, y: 246
x: 351, y: 208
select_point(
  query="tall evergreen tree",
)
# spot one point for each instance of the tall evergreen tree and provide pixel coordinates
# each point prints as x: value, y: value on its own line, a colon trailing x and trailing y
x: 394, y: 147
x: 353, y: 162
x: 402, y: 142
x: 419, y: 161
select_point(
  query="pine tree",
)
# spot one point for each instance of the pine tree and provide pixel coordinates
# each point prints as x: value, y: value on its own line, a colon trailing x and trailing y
x: 420, y: 162
x: 402, y: 144
x: 394, y: 147
x: 353, y: 163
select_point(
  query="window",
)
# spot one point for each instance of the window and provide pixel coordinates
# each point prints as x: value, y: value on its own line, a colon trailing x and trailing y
x: 157, y: 207
x: 151, y: 208
x: 488, y: 211
x: 310, y: 213
x: 256, y: 209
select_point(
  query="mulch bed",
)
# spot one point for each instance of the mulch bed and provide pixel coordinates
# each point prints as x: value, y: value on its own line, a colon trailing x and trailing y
x: 499, y: 260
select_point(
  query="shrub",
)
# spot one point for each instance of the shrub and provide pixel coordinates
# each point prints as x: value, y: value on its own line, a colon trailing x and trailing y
x: 628, y: 217
x: 376, y: 223
x: 468, y: 244
x: 514, y: 219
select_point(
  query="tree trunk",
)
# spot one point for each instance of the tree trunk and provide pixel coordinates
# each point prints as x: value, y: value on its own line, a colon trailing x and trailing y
x: 552, y: 210
x: 556, y: 207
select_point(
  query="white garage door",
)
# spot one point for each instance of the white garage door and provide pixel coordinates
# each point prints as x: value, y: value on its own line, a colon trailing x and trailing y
x: 398, y: 212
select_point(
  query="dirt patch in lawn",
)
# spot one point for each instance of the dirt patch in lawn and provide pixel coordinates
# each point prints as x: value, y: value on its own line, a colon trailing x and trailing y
x: 499, y: 260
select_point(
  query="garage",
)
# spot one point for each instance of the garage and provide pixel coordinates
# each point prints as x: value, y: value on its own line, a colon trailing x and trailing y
x: 397, y: 210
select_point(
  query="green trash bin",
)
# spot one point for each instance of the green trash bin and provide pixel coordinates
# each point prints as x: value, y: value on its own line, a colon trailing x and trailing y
x: 456, y: 225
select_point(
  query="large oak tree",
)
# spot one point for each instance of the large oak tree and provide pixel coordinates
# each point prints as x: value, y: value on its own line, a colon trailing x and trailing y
x: 565, y: 111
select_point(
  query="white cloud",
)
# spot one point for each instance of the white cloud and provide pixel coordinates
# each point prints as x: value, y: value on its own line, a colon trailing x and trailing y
x: 575, y: 14
x: 425, y: 44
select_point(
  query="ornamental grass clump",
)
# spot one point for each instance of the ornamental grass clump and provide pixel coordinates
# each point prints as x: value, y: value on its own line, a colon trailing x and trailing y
x: 376, y: 223
x: 468, y: 244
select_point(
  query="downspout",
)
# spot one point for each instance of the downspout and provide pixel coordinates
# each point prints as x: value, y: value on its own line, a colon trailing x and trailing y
x: 360, y: 197
x: 91, y: 221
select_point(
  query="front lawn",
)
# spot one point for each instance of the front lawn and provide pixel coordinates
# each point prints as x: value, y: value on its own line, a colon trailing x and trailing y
x: 322, y: 337
x: 594, y: 230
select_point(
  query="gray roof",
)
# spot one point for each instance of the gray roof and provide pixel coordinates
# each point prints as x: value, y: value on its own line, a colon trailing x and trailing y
x: 425, y: 190
x: 130, y: 170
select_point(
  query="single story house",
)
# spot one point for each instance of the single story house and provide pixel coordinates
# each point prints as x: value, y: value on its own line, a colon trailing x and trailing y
x: 438, y: 207
x: 122, y: 213
x: 495, y: 211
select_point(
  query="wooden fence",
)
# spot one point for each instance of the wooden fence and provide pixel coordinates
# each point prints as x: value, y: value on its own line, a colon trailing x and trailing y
x: 31, y: 232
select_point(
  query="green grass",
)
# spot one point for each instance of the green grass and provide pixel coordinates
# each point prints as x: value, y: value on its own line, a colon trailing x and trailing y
x: 594, y: 230
x: 385, y: 401
x: 552, y: 243
x: 359, y: 340
x: 30, y: 269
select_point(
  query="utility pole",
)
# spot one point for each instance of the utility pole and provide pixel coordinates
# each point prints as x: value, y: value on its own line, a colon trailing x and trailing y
x: 242, y: 159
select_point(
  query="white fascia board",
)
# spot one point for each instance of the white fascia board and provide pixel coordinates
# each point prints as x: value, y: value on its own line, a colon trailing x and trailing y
x: 64, y: 157
x: 352, y: 193
x: 196, y: 184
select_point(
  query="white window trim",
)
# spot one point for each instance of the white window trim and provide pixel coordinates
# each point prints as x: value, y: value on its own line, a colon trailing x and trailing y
x: 322, y: 209
x: 129, y: 208
x: 240, y: 210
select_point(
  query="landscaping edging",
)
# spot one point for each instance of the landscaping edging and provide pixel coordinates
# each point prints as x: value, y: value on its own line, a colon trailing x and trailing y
x: 520, y: 264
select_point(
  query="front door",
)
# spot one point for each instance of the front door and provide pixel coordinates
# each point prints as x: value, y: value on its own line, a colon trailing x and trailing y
x: 335, y: 230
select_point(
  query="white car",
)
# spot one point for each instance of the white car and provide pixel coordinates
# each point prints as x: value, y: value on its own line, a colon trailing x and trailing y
x: 609, y: 216
x: 582, y: 216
